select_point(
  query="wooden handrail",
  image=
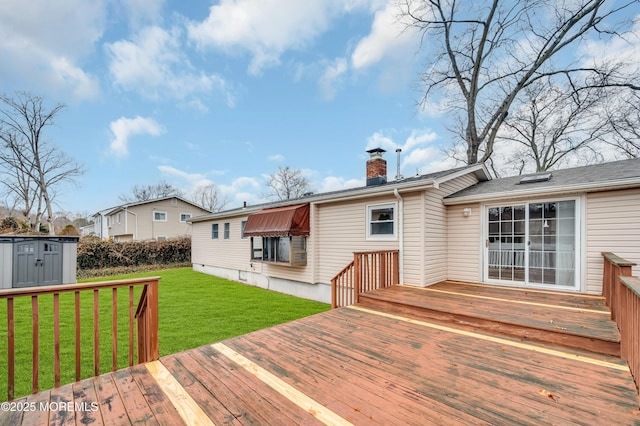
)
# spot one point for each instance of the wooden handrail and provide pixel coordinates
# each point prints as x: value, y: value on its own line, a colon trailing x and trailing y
x: 147, y: 318
x: 368, y: 271
x: 622, y: 295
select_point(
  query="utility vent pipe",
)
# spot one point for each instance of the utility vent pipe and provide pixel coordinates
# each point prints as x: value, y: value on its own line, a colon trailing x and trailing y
x: 398, y: 175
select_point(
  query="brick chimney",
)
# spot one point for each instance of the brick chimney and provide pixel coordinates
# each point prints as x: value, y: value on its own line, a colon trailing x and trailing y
x: 376, y: 167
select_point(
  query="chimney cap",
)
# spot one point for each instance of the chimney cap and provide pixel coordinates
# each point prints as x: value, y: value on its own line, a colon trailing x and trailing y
x: 376, y: 152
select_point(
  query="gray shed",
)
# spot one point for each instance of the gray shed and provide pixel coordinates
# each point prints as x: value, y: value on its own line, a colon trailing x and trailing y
x: 37, y: 260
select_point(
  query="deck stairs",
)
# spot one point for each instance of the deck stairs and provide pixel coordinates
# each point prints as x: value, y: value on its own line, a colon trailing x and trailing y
x: 566, y: 320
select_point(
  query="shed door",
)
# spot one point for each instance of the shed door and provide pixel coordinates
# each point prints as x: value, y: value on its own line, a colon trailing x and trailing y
x: 37, y: 263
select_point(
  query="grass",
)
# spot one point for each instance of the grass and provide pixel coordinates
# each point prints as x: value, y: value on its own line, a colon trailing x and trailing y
x: 195, y: 309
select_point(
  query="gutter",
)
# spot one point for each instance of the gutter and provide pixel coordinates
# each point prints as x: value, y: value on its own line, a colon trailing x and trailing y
x: 578, y: 187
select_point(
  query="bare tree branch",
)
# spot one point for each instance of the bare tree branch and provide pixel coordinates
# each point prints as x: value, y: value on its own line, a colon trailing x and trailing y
x: 37, y: 166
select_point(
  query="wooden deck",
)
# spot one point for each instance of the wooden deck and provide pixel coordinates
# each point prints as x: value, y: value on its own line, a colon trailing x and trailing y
x: 361, y: 365
x: 574, y: 320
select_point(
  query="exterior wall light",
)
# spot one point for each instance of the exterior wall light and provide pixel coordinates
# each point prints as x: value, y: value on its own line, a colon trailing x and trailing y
x: 466, y: 212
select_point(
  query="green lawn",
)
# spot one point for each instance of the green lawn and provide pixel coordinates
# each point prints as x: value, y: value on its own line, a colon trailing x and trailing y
x: 195, y: 309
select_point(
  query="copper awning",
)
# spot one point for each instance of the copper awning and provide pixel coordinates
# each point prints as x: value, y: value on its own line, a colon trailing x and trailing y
x: 279, y: 222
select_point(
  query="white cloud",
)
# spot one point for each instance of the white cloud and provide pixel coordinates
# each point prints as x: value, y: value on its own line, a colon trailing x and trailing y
x: 276, y: 157
x: 43, y: 42
x: 154, y: 65
x: 192, y: 179
x: 242, y: 189
x: 418, y: 149
x: 267, y: 28
x: 124, y: 128
x: 389, y: 37
x: 336, y: 183
x: 332, y: 77
x: 139, y: 12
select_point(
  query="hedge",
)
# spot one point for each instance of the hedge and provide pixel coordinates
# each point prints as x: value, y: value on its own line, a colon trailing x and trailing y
x: 97, y: 254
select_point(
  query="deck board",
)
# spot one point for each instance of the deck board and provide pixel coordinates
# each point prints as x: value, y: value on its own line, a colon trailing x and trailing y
x: 368, y: 366
x: 579, y: 321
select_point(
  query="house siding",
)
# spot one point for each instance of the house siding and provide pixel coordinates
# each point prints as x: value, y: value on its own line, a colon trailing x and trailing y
x: 342, y: 230
x: 137, y: 222
x: 436, y: 229
x: 464, y: 251
x: 612, y: 225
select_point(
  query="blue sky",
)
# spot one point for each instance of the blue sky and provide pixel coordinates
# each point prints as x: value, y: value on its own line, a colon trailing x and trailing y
x: 178, y: 91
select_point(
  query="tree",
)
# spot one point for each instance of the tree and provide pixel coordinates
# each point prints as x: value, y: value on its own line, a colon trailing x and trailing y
x: 151, y: 192
x: 488, y: 52
x: 36, y: 166
x: 553, y: 127
x: 208, y: 197
x: 287, y: 183
x: 624, y: 120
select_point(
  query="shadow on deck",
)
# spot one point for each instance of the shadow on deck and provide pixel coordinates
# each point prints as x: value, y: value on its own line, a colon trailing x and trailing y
x: 393, y: 359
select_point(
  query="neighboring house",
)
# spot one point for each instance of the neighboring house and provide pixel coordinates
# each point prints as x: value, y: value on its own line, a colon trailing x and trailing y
x: 100, y: 225
x: 541, y: 231
x: 157, y: 219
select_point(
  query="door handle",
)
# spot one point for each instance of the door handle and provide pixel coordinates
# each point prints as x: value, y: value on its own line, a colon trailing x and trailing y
x: 38, y: 261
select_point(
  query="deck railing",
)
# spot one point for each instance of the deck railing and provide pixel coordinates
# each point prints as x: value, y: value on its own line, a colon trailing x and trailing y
x: 368, y: 271
x: 622, y: 295
x: 146, y: 315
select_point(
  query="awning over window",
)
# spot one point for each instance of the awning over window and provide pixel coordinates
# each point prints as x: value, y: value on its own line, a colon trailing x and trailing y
x: 279, y: 222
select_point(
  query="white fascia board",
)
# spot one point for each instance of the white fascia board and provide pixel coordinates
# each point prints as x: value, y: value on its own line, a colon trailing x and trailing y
x: 547, y: 191
x: 479, y: 170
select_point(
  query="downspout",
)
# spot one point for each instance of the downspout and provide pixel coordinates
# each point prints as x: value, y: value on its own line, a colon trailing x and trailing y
x: 396, y: 193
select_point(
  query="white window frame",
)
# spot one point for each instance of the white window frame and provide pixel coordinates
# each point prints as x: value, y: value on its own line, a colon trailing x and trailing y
x: 382, y: 237
x: 159, y: 212
x: 184, y: 217
x: 215, y: 231
x: 162, y: 238
x: 226, y: 231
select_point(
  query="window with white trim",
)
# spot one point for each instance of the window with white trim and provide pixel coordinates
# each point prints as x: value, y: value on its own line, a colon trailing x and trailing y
x: 184, y: 217
x: 214, y: 231
x: 227, y: 230
x: 381, y: 221
x: 159, y: 216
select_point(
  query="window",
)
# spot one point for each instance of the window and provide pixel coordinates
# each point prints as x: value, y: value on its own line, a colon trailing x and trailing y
x: 159, y: 216
x: 289, y: 251
x: 119, y: 217
x: 226, y: 230
x: 381, y: 223
x: 161, y: 238
x: 242, y: 226
x: 184, y: 217
x: 214, y: 231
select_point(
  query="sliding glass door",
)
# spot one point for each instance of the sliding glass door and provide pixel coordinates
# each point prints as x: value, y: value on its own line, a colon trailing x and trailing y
x: 533, y: 244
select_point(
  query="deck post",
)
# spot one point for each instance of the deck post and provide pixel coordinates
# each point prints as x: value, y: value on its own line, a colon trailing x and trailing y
x: 357, y: 277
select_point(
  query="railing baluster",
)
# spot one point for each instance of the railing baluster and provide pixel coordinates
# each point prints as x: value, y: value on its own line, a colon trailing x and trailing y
x: 35, y: 347
x: 96, y: 333
x: 131, y: 325
x: 56, y: 340
x: 76, y: 308
x: 114, y: 329
x: 11, y: 348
